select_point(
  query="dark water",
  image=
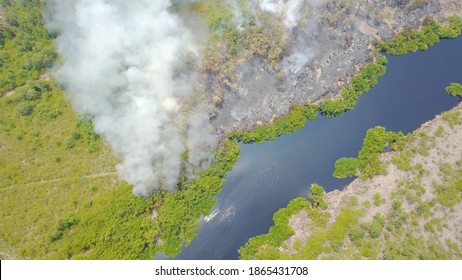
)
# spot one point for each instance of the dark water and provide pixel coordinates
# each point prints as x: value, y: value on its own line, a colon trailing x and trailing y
x: 269, y: 175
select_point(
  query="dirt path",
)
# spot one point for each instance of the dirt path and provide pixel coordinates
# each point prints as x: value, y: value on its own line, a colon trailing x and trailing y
x: 7, y: 252
x: 9, y: 92
x: 103, y: 174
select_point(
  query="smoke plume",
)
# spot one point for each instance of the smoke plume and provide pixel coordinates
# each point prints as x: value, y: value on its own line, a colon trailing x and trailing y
x: 304, y: 49
x: 302, y: 53
x: 130, y: 66
x: 290, y: 9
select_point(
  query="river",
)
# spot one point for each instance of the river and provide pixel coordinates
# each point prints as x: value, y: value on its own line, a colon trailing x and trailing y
x: 267, y: 176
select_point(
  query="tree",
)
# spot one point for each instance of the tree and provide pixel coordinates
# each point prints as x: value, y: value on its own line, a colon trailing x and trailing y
x: 316, y: 196
x: 24, y: 109
x: 454, y: 89
x: 345, y: 167
x: 332, y: 108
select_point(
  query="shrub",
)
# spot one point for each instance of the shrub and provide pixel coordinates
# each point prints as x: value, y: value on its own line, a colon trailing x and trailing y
x: 378, y: 200
x: 376, y: 226
x: 454, y: 89
x: 69, y: 143
x: 293, y: 121
x: 24, y: 109
x: 356, y: 234
x: 346, y: 167
x: 63, y: 224
x: 316, y: 196
x: 26, y: 45
x: 452, y: 118
x: 428, y: 35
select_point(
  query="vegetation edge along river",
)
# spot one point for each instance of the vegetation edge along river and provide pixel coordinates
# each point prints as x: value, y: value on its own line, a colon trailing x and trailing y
x: 60, y: 195
x: 405, y: 205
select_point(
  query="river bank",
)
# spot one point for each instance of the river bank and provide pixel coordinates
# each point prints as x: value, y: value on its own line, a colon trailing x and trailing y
x: 414, y: 211
x: 267, y: 176
x: 333, y: 41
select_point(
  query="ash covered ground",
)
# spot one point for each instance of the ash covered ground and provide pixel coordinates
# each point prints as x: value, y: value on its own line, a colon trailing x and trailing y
x: 326, y: 45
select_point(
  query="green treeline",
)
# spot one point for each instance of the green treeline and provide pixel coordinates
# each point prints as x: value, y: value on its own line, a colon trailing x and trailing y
x: 293, y: 121
x: 430, y: 34
x: 454, y: 89
x: 377, y: 139
x: 323, y: 237
x: 26, y: 47
x: 164, y: 223
x: 265, y: 246
x: 346, y: 167
x: 360, y: 84
x: 299, y: 114
x: 367, y: 164
x: 277, y: 233
x: 180, y: 211
x: 407, y: 223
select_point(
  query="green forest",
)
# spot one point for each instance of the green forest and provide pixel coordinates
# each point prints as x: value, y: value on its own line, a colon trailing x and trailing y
x: 60, y: 194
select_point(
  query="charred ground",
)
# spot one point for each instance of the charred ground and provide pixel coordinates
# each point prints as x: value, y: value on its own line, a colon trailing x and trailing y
x: 249, y: 83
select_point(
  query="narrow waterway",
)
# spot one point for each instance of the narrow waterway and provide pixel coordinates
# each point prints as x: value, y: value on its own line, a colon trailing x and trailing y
x: 268, y: 176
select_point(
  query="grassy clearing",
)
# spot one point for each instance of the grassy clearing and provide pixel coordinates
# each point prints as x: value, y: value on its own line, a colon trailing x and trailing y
x: 53, y: 168
x: 60, y: 194
x: 43, y: 145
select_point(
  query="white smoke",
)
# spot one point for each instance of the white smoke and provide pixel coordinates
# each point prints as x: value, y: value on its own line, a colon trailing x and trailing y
x: 301, y: 55
x: 290, y: 9
x: 303, y: 50
x: 130, y: 65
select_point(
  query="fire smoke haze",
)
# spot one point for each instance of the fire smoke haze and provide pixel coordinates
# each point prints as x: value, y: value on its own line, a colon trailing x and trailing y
x: 289, y: 8
x: 304, y: 49
x: 130, y: 66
